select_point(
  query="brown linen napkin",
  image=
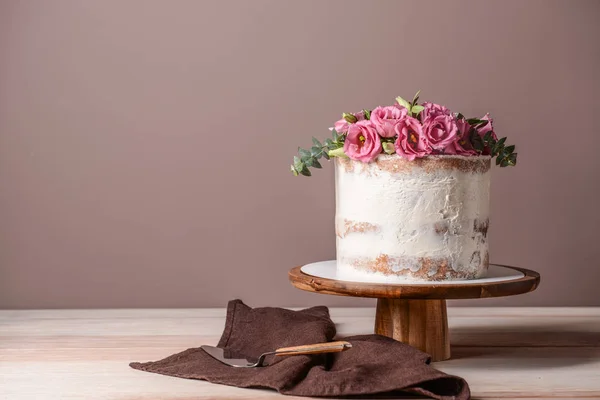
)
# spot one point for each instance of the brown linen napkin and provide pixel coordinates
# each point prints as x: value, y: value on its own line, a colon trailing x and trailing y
x: 374, y: 365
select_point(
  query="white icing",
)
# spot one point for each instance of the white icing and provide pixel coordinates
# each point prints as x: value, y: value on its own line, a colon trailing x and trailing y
x: 404, y: 208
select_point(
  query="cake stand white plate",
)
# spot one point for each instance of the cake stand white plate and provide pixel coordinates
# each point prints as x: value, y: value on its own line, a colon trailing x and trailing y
x: 328, y: 270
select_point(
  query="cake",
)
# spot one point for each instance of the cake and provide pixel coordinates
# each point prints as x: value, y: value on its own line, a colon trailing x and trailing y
x: 412, y: 191
x: 399, y: 220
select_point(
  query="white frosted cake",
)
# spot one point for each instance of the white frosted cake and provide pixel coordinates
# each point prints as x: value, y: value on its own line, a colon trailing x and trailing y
x: 399, y: 220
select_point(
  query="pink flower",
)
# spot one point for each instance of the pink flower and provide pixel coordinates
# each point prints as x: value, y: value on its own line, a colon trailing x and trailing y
x: 440, y: 130
x: 482, y: 130
x: 341, y: 126
x: 411, y: 142
x: 360, y: 116
x: 385, y: 118
x: 362, y: 143
x: 461, y: 145
x: 433, y: 110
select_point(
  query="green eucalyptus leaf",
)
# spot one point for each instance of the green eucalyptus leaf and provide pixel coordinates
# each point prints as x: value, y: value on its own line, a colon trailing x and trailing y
x: 316, y: 142
x: 327, y: 142
x: 304, y: 153
x: 298, y: 164
x: 351, y: 118
x: 294, y: 171
x: 305, y: 171
x: 334, y: 134
x: 325, y: 155
x: 316, y: 163
x: 403, y: 102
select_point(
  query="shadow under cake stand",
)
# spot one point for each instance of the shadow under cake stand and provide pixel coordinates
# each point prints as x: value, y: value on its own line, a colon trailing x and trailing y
x: 415, y: 312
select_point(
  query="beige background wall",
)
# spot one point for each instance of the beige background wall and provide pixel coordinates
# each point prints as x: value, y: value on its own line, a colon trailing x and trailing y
x: 144, y: 145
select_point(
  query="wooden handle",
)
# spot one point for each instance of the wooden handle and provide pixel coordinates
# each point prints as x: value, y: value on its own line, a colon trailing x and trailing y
x: 329, y: 347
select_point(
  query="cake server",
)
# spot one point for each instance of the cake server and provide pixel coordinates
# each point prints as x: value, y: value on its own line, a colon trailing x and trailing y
x: 318, y: 348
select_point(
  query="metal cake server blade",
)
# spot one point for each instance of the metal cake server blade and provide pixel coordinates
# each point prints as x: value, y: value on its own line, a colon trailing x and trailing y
x: 317, y: 348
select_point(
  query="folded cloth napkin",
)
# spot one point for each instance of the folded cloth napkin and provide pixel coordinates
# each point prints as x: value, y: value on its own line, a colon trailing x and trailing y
x: 374, y: 365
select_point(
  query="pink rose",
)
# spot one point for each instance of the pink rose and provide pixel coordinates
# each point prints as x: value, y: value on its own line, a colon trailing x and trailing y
x: 385, y: 118
x: 462, y: 144
x: 482, y: 130
x: 411, y: 142
x: 433, y: 110
x: 362, y: 143
x: 440, y: 130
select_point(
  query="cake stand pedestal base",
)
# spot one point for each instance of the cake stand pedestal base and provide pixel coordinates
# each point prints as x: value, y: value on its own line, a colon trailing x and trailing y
x: 421, y: 323
x: 415, y: 313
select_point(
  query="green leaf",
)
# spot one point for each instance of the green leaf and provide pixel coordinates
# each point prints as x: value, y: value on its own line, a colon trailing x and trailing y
x: 509, y: 149
x: 298, y: 164
x: 497, y: 148
x: 501, y: 141
x: 349, y: 117
x: 316, y: 163
x: 367, y: 114
x: 339, y: 152
x: 459, y: 116
x: 416, y: 97
x: 416, y: 109
x: 513, y: 159
x: 403, y: 102
x: 304, y: 153
x: 388, y: 147
x: 294, y: 171
x: 305, y: 171
x: 334, y: 134
x: 483, y: 123
x: 316, y: 142
x: 487, y: 138
x: 476, y: 140
x: 325, y: 155
x: 473, y: 121
x: 504, y: 162
x: 327, y: 142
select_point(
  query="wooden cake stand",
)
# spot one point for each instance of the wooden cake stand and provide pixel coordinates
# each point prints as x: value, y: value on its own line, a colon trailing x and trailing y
x: 415, y: 313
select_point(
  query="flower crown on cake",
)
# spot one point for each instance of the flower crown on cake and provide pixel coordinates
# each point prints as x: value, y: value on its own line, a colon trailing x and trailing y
x: 411, y: 130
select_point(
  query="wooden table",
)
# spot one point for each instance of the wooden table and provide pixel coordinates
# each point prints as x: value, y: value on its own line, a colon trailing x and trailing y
x: 521, y: 353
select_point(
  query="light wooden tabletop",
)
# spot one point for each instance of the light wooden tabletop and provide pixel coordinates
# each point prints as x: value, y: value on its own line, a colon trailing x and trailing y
x: 84, y: 354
